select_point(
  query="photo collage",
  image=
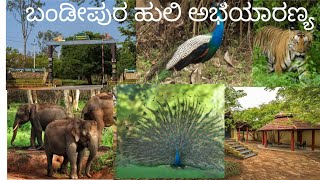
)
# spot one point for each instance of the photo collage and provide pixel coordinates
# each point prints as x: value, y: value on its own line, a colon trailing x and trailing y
x: 164, y: 89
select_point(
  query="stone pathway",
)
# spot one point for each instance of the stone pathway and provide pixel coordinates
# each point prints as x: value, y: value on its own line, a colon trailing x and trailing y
x: 270, y: 164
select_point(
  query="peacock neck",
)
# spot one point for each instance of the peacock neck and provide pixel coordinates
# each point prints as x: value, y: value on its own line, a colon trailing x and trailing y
x: 217, y: 33
x: 177, y: 160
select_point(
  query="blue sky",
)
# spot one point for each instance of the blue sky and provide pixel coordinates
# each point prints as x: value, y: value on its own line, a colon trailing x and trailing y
x: 14, y: 35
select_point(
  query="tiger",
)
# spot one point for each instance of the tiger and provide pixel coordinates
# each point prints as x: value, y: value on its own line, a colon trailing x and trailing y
x: 285, y: 49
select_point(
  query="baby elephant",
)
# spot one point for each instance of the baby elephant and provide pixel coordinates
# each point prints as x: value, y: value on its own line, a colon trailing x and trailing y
x: 67, y: 138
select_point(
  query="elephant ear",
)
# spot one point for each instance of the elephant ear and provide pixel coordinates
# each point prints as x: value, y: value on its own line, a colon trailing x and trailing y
x: 34, y: 117
x: 27, y: 109
x: 75, y: 131
x: 33, y: 111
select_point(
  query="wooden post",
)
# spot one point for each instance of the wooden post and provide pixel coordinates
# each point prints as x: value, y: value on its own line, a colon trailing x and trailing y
x: 313, y: 139
x: 238, y: 134
x: 102, y: 64
x: 262, y: 138
x: 50, y: 65
x: 300, y: 136
x: 247, y: 134
x: 113, y: 61
x: 292, y: 140
x: 278, y: 137
x: 266, y: 139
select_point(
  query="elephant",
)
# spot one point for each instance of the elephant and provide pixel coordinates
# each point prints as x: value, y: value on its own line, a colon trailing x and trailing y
x: 69, y: 138
x: 100, y: 109
x: 40, y: 115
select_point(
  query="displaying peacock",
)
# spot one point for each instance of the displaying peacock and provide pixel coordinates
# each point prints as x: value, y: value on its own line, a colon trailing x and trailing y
x: 181, y: 134
x: 198, y: 49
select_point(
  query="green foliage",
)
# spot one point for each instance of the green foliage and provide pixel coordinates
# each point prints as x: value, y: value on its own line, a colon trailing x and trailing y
x: 259, y: 116
x: 94, y: 2
x: 263, y: 78
x: 84, y: 60
x: 106, y: 160
x: 231, y: 103
x: 43, y: 37
x: 260, y: 75
x: 126, y: 57
x: 18, y: 9
x: 129, y: 30
x: 107, y: 137
x: 23, y: 135
x: 134, y: 98
x: 302, y: 102
x: 231, y: 98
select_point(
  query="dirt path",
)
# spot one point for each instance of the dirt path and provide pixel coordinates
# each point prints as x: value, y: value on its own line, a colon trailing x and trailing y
x: 27, y: 164
x: 270, y: 164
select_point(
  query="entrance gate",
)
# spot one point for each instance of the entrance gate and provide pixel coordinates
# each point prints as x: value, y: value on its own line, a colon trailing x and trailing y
x: 52, y: 44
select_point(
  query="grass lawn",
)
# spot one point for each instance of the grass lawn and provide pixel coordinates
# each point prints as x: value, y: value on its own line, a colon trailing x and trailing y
x: 133, y: 171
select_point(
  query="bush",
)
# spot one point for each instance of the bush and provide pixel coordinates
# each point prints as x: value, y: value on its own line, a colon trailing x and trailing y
x: 106, y: 160
x: 263, y: 78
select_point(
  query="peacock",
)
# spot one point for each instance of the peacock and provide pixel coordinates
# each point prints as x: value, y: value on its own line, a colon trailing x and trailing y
x: 181, y: 134
x: 198, y: 49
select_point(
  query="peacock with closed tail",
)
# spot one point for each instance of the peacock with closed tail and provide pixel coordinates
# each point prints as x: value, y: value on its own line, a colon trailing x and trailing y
x: 198, y: 49
x: 178, y: 135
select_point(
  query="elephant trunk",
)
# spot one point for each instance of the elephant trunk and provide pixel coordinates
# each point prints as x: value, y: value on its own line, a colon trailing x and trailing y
x: 93, y: 148
x: 15, y: 130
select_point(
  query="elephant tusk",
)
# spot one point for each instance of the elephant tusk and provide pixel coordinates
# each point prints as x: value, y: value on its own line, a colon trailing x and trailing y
x: 16, y: 127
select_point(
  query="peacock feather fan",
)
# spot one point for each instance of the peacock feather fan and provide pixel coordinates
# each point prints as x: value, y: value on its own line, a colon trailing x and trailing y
x: 181, y: 134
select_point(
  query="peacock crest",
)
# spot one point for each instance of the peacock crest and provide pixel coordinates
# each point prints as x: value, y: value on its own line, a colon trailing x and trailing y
x: 182, y: 134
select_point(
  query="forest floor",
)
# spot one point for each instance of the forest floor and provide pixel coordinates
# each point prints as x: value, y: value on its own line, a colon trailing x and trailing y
x: 269, y: 164
x: 28, y: 164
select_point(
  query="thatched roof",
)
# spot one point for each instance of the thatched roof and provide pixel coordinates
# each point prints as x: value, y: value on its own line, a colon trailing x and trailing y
x: 284, y: 121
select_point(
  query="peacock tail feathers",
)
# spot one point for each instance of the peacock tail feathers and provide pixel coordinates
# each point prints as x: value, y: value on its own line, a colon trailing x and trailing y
x: 187, y: 48
x: 179, y: 134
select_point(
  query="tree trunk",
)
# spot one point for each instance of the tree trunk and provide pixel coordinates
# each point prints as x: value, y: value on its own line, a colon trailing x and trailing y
x: 34, y: 96
x: 57, y: 96
x: 29, y: 95
x: 67, y: 102
x: 24, y: 51
x: 75, y: 99
x: 89, y: 79
x: 92, y: 92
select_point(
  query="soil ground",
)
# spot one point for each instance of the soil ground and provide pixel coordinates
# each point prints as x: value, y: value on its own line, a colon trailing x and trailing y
x: 26, y: 164
x: 270, y: 164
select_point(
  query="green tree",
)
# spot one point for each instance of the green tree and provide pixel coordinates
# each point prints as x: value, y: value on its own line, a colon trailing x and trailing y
x: 232, y: 103
x: 94, y: 2
x: 259, y: 116
x: 44, y: 36
x: 84, y: 60
x: 18, y: 9
x: 303, y: 102
x: 14, y: 59
x: 126, y: 58
x: 126, y: 54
